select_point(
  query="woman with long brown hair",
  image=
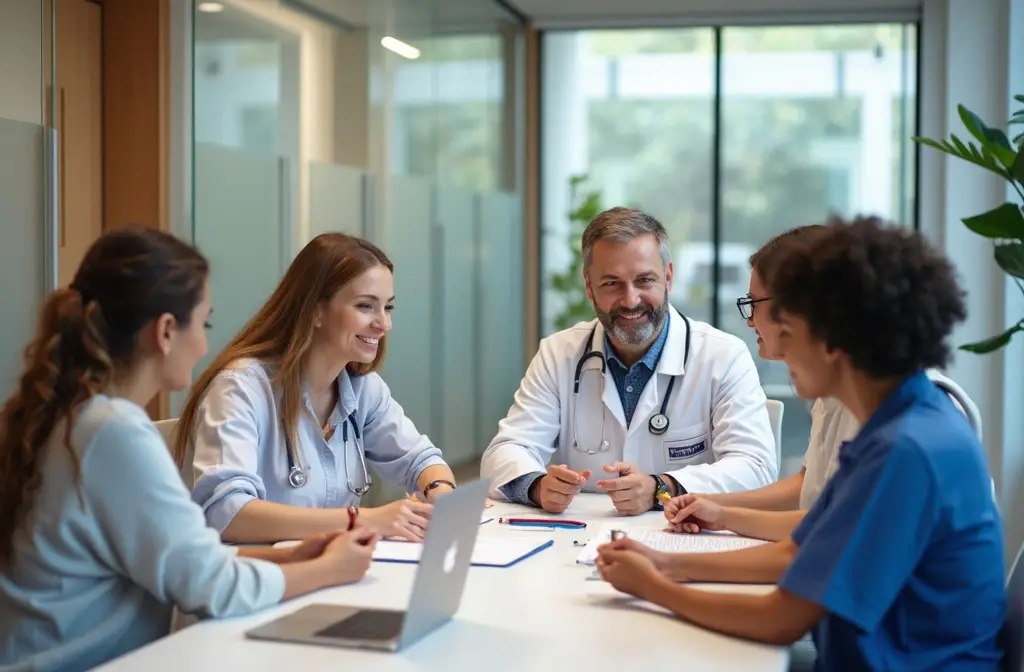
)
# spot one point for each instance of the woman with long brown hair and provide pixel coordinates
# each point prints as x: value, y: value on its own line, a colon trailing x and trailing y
x: 285, y: 420
x: 99, y: 538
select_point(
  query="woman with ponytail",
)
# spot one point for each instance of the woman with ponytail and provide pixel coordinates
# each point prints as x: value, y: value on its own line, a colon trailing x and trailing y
x: 99, y: 538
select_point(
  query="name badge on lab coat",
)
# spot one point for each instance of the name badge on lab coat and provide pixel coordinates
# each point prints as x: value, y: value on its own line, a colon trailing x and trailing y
x: 686, y: 449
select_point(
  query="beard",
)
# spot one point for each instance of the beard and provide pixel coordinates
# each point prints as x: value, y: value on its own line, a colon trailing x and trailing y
x: 639, y: 331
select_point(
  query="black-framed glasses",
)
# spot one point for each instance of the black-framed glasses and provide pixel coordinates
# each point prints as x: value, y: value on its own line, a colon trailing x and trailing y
x: 746, y: 304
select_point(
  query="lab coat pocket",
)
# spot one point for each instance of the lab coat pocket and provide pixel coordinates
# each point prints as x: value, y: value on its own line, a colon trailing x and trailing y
x: 685, y: 447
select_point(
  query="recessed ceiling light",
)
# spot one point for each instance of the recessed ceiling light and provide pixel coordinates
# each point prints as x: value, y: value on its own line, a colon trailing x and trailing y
x: 399, y: 47
x: 211, y: 7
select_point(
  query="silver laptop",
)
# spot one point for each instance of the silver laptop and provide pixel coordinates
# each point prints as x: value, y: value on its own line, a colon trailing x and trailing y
x: 436, y: 592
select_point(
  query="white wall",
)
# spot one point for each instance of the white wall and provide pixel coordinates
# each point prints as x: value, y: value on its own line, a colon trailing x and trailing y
x: 966, y: 58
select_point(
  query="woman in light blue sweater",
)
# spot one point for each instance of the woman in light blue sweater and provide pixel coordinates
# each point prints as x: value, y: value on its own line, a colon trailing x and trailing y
x: 99, y: 538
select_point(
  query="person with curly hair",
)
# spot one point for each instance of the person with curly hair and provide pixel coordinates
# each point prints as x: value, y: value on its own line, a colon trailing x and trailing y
x: 899, y: 563
x: 99, y: 537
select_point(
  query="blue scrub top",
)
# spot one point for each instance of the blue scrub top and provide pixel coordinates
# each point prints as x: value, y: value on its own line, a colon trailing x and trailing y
x: 904, y: 547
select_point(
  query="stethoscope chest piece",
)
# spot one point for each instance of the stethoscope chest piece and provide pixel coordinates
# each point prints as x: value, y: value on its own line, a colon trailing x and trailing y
x: 658, y: 423
x: 296, y: 477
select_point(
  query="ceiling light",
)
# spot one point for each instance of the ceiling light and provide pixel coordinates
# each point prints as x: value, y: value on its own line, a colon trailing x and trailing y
x: 399, y: 47
x: 211, y: 7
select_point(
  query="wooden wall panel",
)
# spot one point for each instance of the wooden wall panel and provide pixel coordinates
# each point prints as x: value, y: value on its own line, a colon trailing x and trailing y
x: 136, y: 108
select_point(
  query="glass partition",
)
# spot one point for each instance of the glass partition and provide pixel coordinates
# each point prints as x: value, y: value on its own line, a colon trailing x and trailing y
x: 390, y: 120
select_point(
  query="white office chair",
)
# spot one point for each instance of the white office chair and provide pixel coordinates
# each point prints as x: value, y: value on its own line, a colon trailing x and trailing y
x: 776, y: 409
x: 166, y: 428
x: 1013, y: 629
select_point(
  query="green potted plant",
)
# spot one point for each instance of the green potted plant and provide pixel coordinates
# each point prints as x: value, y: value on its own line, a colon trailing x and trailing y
x: 585, y: 204
x: 992, y: 150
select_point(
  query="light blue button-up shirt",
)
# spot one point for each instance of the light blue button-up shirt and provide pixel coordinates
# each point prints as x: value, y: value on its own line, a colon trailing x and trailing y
x: 241, y: 446
x: 101, y: 560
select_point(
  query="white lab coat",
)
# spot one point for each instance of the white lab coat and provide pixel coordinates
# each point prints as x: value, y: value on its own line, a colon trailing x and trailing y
x: 719, y: 438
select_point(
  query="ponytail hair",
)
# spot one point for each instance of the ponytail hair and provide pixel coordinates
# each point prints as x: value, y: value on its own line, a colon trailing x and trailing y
x: 86, y: 333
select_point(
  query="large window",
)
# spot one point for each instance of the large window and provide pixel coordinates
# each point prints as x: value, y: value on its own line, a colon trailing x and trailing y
x: 728, y: 136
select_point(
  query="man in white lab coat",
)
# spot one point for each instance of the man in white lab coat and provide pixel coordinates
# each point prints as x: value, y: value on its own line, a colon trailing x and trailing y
x: 640, y: 400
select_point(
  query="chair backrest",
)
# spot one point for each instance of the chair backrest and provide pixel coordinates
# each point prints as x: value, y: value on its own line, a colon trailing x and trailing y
x: 775, y: 411
x: 166, y: 429
x: 1013, y: 629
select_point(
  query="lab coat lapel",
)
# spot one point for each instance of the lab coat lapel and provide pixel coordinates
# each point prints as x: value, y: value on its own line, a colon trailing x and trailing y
x: 611, y: 394
x: 669, y: 364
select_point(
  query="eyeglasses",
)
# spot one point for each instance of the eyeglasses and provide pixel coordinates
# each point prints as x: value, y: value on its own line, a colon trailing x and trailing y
x: 746, y: 304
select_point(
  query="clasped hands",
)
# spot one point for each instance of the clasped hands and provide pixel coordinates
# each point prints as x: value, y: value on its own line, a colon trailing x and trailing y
x: 631, y: 490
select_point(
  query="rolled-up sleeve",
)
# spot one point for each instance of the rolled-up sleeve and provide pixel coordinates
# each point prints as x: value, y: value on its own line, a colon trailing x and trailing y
x: 226, y: 441
x: 391, y: 441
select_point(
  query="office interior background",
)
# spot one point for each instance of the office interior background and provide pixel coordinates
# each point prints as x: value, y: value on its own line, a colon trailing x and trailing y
x: 472, y: 139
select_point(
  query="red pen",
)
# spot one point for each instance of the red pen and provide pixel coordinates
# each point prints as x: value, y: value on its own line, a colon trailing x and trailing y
x: 353, y: 513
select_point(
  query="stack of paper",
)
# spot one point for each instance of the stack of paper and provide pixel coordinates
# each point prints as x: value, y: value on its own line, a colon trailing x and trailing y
x: 670, y: 542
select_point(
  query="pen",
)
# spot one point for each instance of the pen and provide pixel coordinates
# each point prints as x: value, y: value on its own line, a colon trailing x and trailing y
x: 618, y: 534
x: 543, y: 522
x: 353, y: 513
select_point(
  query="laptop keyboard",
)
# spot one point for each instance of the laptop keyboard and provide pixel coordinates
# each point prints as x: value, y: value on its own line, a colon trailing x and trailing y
x: 366, y: 624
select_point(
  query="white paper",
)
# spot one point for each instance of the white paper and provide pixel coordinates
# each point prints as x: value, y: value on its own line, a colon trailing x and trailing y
x: 488, y: 551
x: 671, y: 542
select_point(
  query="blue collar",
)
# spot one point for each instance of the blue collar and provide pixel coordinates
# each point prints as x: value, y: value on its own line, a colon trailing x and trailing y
x: 650, y: 358
x: 911, y: 390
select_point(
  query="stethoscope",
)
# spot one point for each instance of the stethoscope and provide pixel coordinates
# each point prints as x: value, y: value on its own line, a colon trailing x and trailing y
x: 297, y: 474
x: 657, y: 425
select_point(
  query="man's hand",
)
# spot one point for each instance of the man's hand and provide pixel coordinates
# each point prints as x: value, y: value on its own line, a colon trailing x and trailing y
x: 632, y: 492
x: 554, y: 491
x: 692, y: 513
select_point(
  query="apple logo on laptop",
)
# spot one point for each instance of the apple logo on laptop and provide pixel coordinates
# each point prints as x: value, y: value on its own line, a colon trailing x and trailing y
x: 449, y: 558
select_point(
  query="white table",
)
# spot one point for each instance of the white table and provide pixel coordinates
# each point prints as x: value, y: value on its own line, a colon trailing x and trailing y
x: 534, y: 615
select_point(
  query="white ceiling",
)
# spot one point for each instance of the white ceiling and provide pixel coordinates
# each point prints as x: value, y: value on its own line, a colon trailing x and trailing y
x: 598, y: 13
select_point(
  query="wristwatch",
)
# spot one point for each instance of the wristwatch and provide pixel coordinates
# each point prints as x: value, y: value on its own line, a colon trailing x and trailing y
x: 659, y: 487
x: 434, y: 484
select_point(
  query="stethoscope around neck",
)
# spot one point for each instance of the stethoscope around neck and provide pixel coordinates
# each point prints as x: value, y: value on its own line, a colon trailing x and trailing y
x: 298, y: 478
x: 656, y: 425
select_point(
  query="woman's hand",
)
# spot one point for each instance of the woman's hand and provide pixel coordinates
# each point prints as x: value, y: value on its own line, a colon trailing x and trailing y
x: 629, y: 571
x: 309, y: 548
x: 405, y: 518
x: 347, y: 556
x: 660, y: 559
x: 692, y: 513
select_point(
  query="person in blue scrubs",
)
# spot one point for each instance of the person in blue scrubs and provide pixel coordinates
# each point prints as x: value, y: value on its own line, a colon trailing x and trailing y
x: 99, y: 538
x: 286, y: 419
x: 899, y: 563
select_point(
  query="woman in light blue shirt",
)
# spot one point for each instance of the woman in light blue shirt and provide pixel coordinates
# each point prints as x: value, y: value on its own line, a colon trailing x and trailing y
x: 286, y: 420
x: 99, y: 538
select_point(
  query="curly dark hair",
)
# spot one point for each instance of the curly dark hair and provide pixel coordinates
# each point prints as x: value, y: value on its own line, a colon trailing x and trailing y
x: 880, y: 293
x: 767, y: 258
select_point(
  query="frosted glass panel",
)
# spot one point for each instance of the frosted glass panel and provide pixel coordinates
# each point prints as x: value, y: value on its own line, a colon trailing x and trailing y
x: 455, y: 321
x: 408, y: 367
x: 21, y: 238
x: 500, y: 272
x: 239, y: 200
x: 336, y: 199
x: 21, y: 61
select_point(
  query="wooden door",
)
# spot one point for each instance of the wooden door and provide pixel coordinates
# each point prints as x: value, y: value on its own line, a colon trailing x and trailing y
x: 78, y: 112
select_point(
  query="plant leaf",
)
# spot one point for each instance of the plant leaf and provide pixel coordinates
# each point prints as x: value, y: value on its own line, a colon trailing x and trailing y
x: 991, y: 138
x: 1005, y: 221
x: 1010, y: 258
x: 1019, y: 97
x: 1018, y: 164
x: 965, y: 153
x: 992, y: 344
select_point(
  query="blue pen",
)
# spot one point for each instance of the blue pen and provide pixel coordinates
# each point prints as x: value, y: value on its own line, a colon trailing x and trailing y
x: 552, y: 523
